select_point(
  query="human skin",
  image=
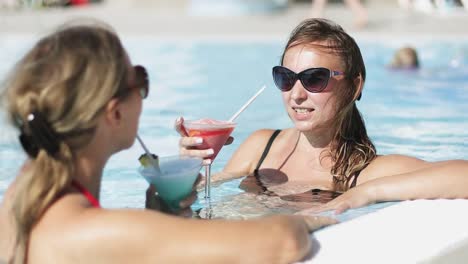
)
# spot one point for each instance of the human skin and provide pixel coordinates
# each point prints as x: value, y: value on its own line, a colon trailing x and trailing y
x: 296, y: 151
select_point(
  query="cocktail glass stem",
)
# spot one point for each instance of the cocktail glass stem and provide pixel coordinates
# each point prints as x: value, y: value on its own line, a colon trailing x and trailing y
x: 207, y: 181
x: 208, y: 210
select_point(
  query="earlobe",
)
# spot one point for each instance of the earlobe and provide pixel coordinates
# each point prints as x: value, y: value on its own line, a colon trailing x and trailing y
x: 359, y: 84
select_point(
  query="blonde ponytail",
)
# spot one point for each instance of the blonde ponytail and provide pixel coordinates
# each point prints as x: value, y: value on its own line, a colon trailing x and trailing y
x: 66, y: 80
x: 35, y: 193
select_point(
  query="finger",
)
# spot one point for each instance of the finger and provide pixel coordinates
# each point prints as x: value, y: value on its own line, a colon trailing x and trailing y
x: 332, y: 204
x: 201, y: 184
x: 197, y: 181
x: 185, y: 212
x: 187, y: 142
x: 229, y: 141
x: 151, y: 189
x: 316, y: 222
x: 303, y: 212
x: 201, y: 153
x: 187, y: 202
x: 179, y: 126
x: 342, y: 208
x: 316, y: 210
x: 152, y: 200
x: 307, y: 212
x: 206, y: 162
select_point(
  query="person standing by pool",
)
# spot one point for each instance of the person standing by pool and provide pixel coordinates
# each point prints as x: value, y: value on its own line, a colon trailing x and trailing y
x: 321, y: 76
x: 360, y: 12
x: 76, y: 99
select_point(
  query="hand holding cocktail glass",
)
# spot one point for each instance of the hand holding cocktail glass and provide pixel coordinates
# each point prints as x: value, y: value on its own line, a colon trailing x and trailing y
x: 155, y: 201
x: 213, y: 134
x: 173, y: 181
x: 204, y: 138
x: 173, y: 189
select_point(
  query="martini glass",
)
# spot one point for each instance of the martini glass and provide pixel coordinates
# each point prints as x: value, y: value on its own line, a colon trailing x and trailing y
x: 215, y: 134
x: 174, y: 177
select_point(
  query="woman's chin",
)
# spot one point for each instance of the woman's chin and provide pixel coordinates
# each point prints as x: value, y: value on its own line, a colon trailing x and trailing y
x: 304, y: 126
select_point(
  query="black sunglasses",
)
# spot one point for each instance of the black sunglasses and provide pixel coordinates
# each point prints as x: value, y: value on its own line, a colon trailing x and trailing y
x: 314, y: 80
x: 141, y: 81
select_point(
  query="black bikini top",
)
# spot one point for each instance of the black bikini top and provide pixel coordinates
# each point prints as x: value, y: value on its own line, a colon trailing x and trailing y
x: 267, y: 149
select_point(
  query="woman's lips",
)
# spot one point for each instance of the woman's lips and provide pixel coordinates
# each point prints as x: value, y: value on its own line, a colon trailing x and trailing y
x: 302, y: 113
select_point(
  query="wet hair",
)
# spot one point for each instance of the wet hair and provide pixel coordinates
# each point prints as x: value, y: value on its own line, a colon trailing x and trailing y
x: 351, y: 149
x: 55, y: 94
x: 405, y: 58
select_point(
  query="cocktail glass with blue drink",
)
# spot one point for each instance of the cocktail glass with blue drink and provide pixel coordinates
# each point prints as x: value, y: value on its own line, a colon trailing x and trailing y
x: 174, y: 178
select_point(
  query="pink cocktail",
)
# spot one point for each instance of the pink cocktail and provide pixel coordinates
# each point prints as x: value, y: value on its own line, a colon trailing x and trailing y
x: 215, y: 134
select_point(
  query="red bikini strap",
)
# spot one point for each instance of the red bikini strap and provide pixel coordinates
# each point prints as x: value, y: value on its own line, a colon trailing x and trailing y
x: 94, y: 202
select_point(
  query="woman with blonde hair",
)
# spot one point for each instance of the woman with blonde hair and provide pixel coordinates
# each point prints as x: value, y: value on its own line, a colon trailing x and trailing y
x: 76, y: 99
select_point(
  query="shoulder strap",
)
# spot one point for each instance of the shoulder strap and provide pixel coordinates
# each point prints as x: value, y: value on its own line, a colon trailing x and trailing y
x: 267, y: 148
x: 92, y: 200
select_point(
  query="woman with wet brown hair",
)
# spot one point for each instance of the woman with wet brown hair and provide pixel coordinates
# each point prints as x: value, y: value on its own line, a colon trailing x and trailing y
x: 327, y: 155
x: 76, y: 99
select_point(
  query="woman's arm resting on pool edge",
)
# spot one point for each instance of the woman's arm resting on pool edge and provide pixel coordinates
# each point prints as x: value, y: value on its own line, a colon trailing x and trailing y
x: 432, y: 180
x: 404, y: 178
x: 445, y: 179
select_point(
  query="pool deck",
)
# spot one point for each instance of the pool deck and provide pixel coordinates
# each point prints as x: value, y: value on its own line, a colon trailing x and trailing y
x: 177, y: 18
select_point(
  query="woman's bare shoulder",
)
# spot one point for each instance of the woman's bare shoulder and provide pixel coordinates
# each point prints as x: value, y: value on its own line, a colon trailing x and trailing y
x: 71, y: 225
x: 7, y: 228
x: 263, y: 135
x: 117, y: 235
x: 393, y: 164
x: 255, y: 143
x: 397, y: 160
x: 61, y: 214
x: 245, y: 158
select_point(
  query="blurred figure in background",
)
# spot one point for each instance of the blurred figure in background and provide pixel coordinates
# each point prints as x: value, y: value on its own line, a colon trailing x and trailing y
x: 8, y: 4
x: 12, y: 4
x: 360, y: 12
x: 405, y: 58
x: 430, y: 6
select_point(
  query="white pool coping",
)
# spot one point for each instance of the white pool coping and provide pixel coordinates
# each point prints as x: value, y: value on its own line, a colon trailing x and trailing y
x: 421, y: 231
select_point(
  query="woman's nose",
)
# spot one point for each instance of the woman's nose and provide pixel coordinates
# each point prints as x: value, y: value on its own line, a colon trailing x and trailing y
x: 298, y: 92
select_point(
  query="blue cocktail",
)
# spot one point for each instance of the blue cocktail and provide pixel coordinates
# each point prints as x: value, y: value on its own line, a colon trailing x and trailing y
x: 175, y: 178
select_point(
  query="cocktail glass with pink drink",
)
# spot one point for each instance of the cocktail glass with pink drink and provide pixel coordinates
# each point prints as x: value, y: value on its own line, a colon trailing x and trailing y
x: 215, y: 133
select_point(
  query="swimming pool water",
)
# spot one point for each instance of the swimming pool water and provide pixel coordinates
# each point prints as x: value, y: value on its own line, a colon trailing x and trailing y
x: 422, y: 113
